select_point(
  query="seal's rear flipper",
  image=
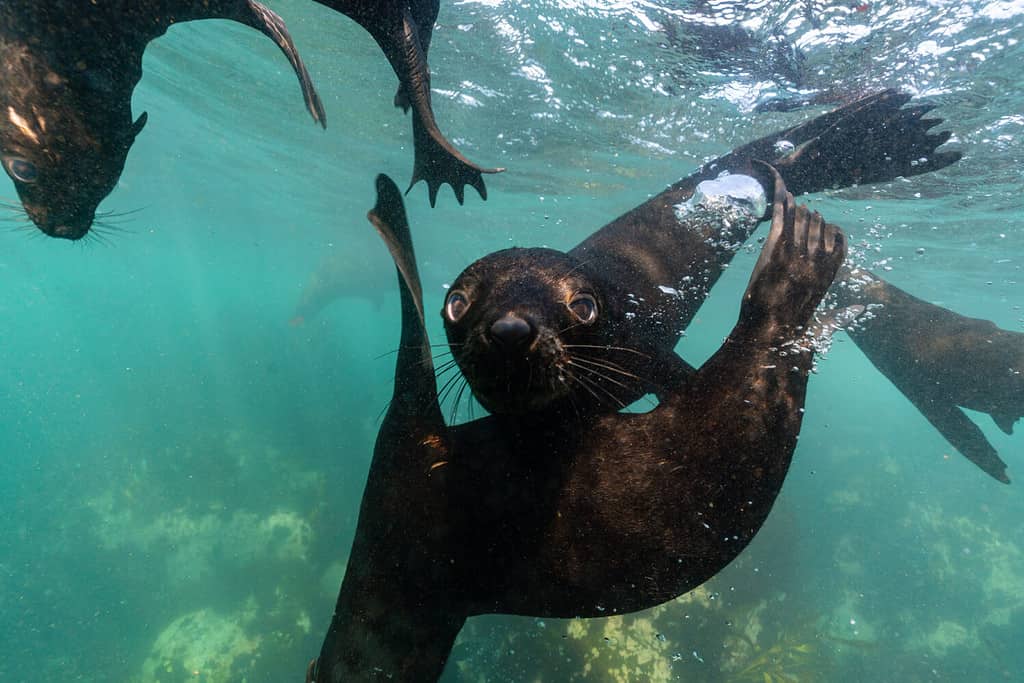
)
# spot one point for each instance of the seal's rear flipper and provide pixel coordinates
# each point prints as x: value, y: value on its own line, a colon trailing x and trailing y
x: 261, y: 18
x: 437, y: 162
x: 399, y: 35
x: 961, y: 432
x: 873, y: 139
x: 875, y: 142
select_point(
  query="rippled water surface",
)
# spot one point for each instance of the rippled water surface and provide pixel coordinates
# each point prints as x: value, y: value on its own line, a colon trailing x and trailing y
x: 181, y: 467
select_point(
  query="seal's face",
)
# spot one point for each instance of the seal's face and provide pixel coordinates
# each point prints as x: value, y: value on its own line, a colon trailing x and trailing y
x: 520, y: 323
x: 62, y: 141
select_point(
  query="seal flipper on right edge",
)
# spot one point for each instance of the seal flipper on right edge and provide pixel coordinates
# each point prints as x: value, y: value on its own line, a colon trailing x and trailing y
x: 961, y: 432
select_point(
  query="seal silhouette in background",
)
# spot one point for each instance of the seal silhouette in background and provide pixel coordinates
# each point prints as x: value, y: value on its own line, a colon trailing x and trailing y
x: 548, y: 516
x: 402, y: 29
x: 67, y: 72
x: 594, y: 329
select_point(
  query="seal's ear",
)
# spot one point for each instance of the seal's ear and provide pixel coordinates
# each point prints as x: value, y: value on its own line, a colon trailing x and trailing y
x: 388, y: 217
x: 139, y: 124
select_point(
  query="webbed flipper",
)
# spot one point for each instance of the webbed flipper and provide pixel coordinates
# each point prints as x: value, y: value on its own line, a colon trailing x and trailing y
x: 960, y: 431
x: 942, y: 361
x: 436, y: 159
x: 798, y: 262
x: 873, y: 139
x: 383, y: 628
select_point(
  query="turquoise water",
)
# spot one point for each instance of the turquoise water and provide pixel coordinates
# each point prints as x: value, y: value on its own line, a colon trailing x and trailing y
x: 181, y: 468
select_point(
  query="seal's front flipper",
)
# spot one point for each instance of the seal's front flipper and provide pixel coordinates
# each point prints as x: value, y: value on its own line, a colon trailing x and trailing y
x: 961, y: 432
x: 798, y: 262
x: 261, y: 18
x: 415, y: 387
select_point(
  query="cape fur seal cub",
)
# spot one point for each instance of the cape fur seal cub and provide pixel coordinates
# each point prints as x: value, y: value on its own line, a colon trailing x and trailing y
x: 67, y: 72
x: 544, y: 516
x: 594, y: 328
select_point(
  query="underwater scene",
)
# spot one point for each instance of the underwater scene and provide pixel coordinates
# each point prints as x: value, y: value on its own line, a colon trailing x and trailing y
x: 191, y: 390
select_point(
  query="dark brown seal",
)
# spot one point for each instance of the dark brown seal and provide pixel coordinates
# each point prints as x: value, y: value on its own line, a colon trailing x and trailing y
x: 67, y: 72
x: 402, y: 29
x: 648, y: 271
x: 596, y: 327
x: 548, y: 516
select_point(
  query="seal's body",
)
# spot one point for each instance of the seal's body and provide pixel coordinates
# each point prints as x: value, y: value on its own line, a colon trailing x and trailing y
x: 653, y: 267
x: 67, y: 72
x: 552, y: 514
x: 402, y: 29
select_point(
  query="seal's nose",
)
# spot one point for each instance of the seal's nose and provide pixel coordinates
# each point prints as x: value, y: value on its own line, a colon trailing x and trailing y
x: 510, y: 332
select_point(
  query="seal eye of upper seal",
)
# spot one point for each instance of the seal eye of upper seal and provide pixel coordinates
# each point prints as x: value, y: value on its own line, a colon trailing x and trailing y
x: 456, y: 306
x: 21, y: 169
x: 584, y: 307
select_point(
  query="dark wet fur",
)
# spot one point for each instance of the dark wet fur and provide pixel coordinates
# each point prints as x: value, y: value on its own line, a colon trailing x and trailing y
x: 963, y: 361
x: 67, y: 72
x: 943, y: 361
x: 555, y: 515
x: 402, y: 29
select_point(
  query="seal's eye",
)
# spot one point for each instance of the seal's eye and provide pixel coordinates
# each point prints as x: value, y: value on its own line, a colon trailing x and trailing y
x: 456, y: 306
x: 584, y: 307
x: 20, y: 169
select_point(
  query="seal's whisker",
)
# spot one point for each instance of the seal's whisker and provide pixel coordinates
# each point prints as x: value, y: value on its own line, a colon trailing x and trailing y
x: 458, y: 399
x: 569, y: 394
x: 446, y: 389
x: 104, y: 230
x: 445, y: 368
x: 577, y: 267
x: 605, y: 348
x: 569, y: 327
x: 599, y: 374
x: 588, y: 384
x: 108, y: 213
x: 394, y: 351
x: 111, y: 227
x: 94, y: 237
x: 607, y: 365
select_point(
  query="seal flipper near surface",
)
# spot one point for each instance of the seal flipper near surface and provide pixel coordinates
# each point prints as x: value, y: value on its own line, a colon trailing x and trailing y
x: 402, y: 29
x: 544, y: 515
x: 66, y: 81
